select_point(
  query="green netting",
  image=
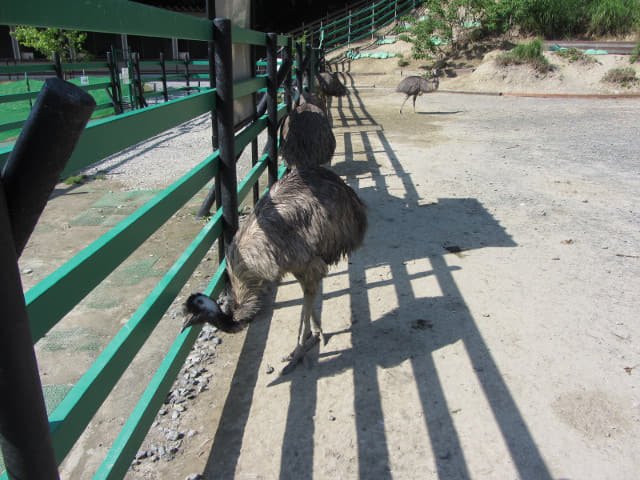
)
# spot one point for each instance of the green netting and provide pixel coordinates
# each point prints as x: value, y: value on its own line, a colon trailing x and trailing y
x: 355, y: 55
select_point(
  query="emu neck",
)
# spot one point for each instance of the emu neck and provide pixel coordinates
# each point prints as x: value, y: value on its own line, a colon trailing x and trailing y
x: 246, y: 301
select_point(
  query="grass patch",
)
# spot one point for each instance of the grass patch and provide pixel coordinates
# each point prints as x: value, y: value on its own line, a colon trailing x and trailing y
x: 19, y: 111
x: 526, y: 54
x: 574, y: 55
x: 75, y: 179
x: 625, y: 76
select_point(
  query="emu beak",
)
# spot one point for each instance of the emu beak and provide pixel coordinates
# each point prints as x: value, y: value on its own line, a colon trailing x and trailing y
x: 201, y: 308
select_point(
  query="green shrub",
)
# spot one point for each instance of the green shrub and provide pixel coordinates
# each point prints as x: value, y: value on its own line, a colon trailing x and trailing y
x: 526, y: 53
x: 552, y: 18
x: 622, y: 75
x: 575, y: 55
x: 613, y: 17
x: 75, y: 180
x: 499, y: 17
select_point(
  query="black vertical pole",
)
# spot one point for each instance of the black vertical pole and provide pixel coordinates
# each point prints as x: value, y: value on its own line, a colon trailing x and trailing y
x: 224, y: 106
x: 163, y: 70
x: 272, y: 107
x: 299, y: 71
x: 114, y: 56
x: 187, y: 59
x: 33, y: 168
x: 214, y: 192
x: 138, y: 80
x: 254, y: 142
x: 114, y: 87
x: 57, y: 65
x: 312, y: 67
x: 288, y: 57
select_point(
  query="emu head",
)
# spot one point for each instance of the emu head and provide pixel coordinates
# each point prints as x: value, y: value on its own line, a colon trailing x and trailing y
x: 199, y: 308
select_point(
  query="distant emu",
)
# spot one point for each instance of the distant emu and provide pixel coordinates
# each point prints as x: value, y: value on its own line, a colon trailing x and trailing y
x: 329, y: 85
x: 415, y: 85
x: 309, y: 220
x: 306, y: 138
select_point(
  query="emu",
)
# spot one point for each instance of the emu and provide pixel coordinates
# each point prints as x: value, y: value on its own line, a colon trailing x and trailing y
x: 309, y: 220
x: 329, y: 85
x: 306, y: 138
x: 415, y: 85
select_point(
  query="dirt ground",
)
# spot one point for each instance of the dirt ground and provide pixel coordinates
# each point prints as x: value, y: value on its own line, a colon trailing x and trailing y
x: 486, y: 329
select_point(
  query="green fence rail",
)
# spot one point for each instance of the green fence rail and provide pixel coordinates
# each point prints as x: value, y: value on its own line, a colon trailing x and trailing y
x: 55, y: 296
x: 355, y: 22
x: 19, y: 104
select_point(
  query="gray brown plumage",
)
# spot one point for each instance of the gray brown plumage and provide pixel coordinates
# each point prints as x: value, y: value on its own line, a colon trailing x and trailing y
x: 310, y: 219
x: 329, y: 85
x: 415, y: 85
x: 306, y: 138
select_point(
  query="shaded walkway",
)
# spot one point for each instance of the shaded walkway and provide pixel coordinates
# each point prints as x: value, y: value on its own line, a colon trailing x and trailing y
x: 404, y: 308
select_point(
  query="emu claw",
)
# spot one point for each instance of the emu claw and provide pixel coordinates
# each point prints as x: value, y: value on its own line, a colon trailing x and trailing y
x: 299, y: 353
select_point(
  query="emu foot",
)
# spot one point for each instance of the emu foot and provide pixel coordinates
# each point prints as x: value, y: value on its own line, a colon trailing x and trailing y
x: 299, y: 353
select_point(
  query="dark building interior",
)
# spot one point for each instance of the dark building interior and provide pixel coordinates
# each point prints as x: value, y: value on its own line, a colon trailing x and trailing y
x: 279, y: 16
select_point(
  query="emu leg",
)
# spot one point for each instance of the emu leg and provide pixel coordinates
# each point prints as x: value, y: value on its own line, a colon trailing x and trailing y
x: 414, y: 103
x: 405, y: 101
x: 310, y: 332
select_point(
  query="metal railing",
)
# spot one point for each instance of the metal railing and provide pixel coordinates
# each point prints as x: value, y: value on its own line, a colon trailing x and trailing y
x: 55, y: 296
x: 355, y: 22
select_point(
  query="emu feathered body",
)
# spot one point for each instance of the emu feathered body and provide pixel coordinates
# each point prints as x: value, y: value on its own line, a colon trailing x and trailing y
x: 306, y: 138
x: 309, y: 220
x: 415, y: 85
x: 330, y: 84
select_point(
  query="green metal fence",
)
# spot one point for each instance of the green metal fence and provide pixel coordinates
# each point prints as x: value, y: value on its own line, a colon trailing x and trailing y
x: 51, y: 299
x: 356, y: 22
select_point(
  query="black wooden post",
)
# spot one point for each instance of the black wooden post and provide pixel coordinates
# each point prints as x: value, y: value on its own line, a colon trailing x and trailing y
x: 33, y: 168
x: 224, y: 106
x: 163, y: 70
x: 288, y: 59
x: 312, y: 66
x: 272, y: 107
x: 299, y: 70
x: 138, y: 80
x: 114, y: 56
x: 57, y: 65
x: 113, y: 75
x: 214, y: 192
x: 187, y: 59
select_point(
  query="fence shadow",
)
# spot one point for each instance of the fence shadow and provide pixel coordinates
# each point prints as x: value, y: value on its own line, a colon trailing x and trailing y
x: 420, y: 324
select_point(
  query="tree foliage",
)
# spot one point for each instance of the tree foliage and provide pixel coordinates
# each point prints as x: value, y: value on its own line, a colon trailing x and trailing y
x: 442, y: 24
x: 447, y: 20
x: 47, y: 41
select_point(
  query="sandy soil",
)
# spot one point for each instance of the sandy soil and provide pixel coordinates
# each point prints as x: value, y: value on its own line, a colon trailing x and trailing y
x: 486, y: 329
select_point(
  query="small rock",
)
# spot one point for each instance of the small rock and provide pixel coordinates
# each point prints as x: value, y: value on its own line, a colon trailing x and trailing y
x: 173, y: 436
x: 27, y: 271
x: 191, y: 433
x: 332, y: 418
x: 193, y: 476
x: 175, y: 415
x: 270, y: 369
